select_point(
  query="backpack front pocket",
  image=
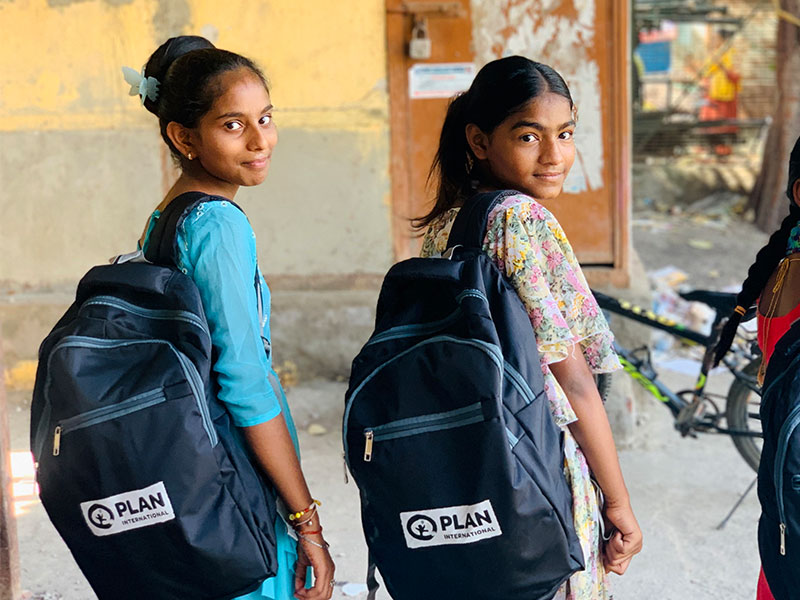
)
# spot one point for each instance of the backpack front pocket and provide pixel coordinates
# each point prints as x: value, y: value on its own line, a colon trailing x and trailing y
x: 451, y: 419
x: 106, y: 413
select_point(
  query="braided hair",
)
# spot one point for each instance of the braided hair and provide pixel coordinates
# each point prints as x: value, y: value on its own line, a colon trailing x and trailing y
x: 766, y: 261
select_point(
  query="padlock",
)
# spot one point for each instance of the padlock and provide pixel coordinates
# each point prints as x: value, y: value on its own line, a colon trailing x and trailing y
x: 419, y: 48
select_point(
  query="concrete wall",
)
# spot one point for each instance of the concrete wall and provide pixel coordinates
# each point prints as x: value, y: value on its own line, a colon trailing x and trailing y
x: 82, y: 165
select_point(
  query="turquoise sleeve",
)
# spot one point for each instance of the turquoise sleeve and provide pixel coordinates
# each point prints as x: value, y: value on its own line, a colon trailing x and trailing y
x: 217, y: 249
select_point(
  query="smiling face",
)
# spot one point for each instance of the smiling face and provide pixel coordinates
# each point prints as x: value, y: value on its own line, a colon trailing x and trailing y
x: 233, y: 142
x: 532, y: 150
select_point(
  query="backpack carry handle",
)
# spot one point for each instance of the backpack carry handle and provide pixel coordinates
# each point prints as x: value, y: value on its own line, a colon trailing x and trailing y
x: 469, y: 228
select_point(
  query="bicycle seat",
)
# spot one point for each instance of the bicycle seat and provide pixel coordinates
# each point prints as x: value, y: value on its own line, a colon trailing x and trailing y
x: 722, y: 302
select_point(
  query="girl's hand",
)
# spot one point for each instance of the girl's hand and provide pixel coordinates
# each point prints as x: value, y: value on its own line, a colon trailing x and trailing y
x: 309, y: 555
x: 626, y: 540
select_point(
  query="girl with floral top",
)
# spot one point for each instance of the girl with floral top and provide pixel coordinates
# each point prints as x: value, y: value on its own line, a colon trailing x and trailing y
x: 513, y: 129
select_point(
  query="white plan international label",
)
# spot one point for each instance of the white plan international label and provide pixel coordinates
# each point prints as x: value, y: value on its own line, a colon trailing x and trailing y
x: 439, y: 80
x: 451, y: 525
x: 128, y: 510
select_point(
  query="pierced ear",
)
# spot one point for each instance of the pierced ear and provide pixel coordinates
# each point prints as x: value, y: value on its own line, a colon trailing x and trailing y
x: 181, y: 138
x: 477, y: 140
x: 796, y: 192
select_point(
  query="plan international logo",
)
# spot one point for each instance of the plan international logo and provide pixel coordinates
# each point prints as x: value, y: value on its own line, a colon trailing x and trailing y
x: 129, y: 510
x: 451, y: 525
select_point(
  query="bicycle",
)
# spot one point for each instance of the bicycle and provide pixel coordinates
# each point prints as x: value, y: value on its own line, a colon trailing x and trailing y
x: 695, y: 410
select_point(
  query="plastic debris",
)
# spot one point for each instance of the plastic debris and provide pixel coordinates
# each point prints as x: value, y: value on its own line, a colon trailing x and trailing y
x: 701, y: 244
x: 316, y: 429
x: 669, y: 276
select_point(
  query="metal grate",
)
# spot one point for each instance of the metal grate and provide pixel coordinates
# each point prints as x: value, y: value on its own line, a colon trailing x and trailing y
x: 703, y: 76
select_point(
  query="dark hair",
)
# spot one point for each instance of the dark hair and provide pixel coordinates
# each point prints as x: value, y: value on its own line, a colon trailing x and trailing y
x: 500, y: 89
x: 766, y: 260
x: 187, y: 68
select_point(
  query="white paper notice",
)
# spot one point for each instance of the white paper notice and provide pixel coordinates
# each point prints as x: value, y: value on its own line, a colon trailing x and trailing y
x: 439, y: 80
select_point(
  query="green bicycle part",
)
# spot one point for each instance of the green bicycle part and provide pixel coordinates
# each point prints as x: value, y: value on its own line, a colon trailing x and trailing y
x: 631, y: 370
x: 701, y: 382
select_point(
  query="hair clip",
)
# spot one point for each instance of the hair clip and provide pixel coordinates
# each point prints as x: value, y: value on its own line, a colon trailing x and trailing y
x: 144, y: 87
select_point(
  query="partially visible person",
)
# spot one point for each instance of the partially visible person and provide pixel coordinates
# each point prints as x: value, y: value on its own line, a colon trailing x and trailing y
x: 722, y: 83
x: 773, y: 281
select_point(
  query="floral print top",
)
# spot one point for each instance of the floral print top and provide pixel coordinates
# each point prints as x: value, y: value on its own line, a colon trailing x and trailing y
x: 530, y: 247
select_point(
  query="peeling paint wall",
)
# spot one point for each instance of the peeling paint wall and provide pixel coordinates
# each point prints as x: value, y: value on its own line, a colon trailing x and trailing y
x: 560, y: 33
x: 82, y: 164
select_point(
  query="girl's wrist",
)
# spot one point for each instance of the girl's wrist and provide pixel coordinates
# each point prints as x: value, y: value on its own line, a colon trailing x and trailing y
x: 305, y: 515
x: 622, y: 500
x: 311, y: 525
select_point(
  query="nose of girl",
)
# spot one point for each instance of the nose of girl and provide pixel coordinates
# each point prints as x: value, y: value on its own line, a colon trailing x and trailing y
x: 258, y: 139
x: 551, y: 153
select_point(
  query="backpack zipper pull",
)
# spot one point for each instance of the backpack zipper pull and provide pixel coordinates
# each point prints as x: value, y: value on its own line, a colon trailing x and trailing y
x: 57, y: 441
x: 783, y: 539
x: 368, y: 437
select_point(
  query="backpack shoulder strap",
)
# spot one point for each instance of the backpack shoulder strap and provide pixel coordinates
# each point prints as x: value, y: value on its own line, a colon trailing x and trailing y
x: 161, y: 244
x: 469, y: 228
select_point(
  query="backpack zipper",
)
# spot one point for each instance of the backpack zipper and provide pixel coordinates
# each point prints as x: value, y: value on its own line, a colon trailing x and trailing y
x: 491, y: 350
x: 148, y: 313
x: 788, y: 427
x: 106, y: 413
x: 459, y: 417
x: 189, y: 371
x: 369, y: 438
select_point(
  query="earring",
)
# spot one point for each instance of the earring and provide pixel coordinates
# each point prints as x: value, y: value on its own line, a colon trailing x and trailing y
x: 189, y: 156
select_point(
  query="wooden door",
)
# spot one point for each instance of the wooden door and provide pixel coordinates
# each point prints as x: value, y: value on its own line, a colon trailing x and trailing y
x: 416, y: 122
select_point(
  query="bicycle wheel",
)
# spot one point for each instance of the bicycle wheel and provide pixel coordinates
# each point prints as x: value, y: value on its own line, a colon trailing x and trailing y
x: 603, y: 383
x: 742, y: 414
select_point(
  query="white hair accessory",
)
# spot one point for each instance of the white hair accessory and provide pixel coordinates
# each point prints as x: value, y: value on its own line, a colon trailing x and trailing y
x: 144, y: 87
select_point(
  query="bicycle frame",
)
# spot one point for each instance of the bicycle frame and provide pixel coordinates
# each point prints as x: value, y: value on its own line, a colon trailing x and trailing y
x: 641, y: 370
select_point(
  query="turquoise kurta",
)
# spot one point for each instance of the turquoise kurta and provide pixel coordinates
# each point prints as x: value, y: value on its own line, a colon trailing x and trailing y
x: 217, y: 249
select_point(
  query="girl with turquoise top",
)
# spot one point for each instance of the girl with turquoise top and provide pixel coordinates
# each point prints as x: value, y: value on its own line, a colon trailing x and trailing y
x: 215, y: 116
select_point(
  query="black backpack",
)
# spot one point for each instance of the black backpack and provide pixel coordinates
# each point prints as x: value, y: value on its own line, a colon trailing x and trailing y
x: 138, y: 464
x: 449, y: 436
x: 779, y: 470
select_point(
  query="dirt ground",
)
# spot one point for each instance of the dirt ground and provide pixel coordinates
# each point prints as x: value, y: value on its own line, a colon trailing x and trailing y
x: 714, y: 251
x: 680, y: 488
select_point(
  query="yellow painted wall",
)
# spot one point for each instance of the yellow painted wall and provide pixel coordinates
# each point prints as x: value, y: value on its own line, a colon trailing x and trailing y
x: 60, y: 61
x: 82, y: 164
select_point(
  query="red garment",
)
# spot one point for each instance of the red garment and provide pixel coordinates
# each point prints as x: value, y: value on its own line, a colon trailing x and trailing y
x: 719, y: 110
x: 762, y: 591
x: 770, y: 330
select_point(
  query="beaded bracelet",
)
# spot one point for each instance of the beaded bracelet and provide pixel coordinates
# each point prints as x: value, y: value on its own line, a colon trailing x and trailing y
x: 309, y: 517
x: 300, y: 524
x: 314, y: 504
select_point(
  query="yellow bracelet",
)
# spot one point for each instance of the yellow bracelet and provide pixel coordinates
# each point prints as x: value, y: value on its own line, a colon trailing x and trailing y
x: 300, y: 513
